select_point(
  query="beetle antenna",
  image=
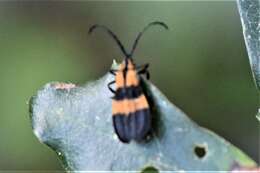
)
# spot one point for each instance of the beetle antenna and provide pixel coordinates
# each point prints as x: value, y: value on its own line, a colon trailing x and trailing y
x: 92, y: 28
x: 141, y: 33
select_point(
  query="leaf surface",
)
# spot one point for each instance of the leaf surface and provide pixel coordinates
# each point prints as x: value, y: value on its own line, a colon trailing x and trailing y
x: 76, y: 122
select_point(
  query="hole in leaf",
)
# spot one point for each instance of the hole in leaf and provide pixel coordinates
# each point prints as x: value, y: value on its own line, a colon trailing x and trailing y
x: 150, y: 169
x: 200, y: 151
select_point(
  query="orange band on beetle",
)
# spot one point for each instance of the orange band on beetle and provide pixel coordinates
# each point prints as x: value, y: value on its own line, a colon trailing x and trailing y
x: 128, y: 106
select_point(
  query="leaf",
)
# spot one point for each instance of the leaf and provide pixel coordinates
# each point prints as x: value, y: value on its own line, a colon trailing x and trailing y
x: 258, y: 115
x: 76, y: 122
x: 249, y: 11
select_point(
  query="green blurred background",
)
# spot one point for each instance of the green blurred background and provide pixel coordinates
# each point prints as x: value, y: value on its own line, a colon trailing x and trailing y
x: 200, y: 64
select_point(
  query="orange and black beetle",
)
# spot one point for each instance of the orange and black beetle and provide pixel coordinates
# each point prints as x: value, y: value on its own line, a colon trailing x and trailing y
x: 130, y: 108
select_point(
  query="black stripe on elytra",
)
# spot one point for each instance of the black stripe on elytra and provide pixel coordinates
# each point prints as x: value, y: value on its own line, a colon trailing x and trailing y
x: 134, y: 126
x: 131, y: 92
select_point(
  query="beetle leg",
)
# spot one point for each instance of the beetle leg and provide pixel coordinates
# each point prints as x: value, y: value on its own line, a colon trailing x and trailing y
x: 109, y: 86
x: 144, y: 70
x: 113, y: 72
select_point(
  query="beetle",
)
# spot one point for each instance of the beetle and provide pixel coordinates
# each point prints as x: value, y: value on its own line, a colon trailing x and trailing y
x: 130, y: 107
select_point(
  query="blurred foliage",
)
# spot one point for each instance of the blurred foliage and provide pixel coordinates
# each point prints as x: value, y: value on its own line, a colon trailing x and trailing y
x: 201, y: 64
